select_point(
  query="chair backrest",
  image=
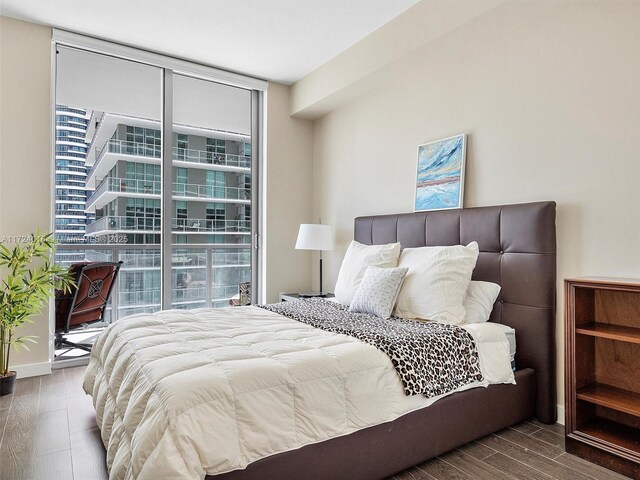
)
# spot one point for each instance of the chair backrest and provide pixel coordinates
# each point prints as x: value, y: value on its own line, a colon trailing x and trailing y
x: 87, y: 302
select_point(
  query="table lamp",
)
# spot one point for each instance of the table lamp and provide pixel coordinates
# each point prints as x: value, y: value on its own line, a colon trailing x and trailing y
x: 315, y: 237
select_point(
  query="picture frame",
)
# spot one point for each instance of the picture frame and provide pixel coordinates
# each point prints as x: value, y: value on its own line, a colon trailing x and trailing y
x: 440, y: 174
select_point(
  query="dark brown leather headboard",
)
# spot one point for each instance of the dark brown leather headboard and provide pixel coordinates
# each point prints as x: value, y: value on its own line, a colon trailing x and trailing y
x: 517, y: 251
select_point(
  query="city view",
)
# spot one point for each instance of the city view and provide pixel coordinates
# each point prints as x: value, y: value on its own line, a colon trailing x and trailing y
x: 108, y: 207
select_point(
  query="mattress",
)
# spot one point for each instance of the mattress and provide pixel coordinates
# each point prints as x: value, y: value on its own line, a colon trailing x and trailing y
x: 181, y: 394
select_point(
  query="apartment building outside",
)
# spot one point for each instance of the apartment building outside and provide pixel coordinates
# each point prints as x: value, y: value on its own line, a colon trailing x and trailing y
x: 211, y: 211
x: 70, y: 180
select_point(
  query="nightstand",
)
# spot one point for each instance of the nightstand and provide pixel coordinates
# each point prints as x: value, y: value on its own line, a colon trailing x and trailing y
x: 288, y: 297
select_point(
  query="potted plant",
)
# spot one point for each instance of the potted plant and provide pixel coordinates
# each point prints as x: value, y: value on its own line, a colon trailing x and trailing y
x: 28, y: 279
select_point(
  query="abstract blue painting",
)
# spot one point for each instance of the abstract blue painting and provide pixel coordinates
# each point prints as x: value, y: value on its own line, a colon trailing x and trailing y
x: 440, y: 180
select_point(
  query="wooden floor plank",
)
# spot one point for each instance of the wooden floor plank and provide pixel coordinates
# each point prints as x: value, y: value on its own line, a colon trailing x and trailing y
x: 587, y: 468
x: 549, y: 437
x: 516, y: 469
x: 4, y: 414
x: 477, y: 450
x: 88, y: 455
x: 554, y: 427
x: 52, y: 434
x: 412, y: 474
x: 55, y: 378
x: 5, y: 401
x: 441, y: 470
x: 27, y: 386
x: 530, y: 458
x: 52, y: 397
x: 84, y: 416
x: 474, y: 467
x: 54, y: 466
x: 526, y: 427
x: 16, y: 461
x: 531, y: 443
x: 73, y: 381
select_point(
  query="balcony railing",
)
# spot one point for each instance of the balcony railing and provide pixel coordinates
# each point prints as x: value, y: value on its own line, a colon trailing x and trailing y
x: 152, y: 187
x: 203, y: 275
x: 129, y: 148
x: 178, y: 225
x: 113, y: 184
x: 71, y: 125
x: 81, y: 113
x: 193, y: 190
x: 73, y: 213
x: 211, y: 158
x: 190, y: 155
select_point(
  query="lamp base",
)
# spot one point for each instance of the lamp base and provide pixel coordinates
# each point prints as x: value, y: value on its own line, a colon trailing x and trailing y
x: 313, y: 294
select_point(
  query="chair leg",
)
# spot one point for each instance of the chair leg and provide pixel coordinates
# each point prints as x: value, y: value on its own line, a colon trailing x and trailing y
x: 79, y: 346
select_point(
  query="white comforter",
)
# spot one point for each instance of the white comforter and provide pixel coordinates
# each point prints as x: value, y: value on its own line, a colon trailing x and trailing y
x: 182, y: 394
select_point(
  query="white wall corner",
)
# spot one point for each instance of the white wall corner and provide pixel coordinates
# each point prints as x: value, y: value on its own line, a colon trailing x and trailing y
x: 33, y: 369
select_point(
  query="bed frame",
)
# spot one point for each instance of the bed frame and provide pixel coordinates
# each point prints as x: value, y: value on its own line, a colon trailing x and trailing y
x: 518, y: 251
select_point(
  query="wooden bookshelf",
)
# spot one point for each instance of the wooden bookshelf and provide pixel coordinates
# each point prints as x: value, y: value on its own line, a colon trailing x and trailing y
x: 611, y: 397
x: 614, y: 332
x: 602, y: 372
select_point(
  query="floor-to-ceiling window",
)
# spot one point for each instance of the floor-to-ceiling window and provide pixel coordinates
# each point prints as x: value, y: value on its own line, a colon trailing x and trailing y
x: 213, y: 245
x: 154, y: 168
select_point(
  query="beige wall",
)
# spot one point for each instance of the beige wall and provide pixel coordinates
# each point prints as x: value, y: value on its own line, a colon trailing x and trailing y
x: 288, y: 196
x: 26, y: 157
x: 551, y: 106
x: 424, y: 22
x: 25, y: 147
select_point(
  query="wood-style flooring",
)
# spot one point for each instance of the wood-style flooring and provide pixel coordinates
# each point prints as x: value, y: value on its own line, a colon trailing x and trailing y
x: 48, y: 431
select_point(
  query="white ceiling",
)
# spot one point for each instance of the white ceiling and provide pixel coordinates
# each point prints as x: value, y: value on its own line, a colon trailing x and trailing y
x: 278, y: 40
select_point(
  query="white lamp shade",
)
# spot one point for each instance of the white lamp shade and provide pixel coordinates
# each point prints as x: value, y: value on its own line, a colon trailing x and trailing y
x: 314, y: 237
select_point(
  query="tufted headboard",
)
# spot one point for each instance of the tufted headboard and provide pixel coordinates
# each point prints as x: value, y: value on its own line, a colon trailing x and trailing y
x: 517, y: 251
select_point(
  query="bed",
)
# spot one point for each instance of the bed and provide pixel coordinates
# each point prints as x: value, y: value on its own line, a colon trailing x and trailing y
x: 517, y: 251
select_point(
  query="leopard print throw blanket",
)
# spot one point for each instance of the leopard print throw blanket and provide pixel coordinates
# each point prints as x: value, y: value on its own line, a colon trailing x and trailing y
x: 430, y: 358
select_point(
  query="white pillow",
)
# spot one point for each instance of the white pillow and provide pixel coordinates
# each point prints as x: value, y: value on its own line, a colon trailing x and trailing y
x: 436, y: 283
x: 479, y: 301
x: 378, y: 291
x: 356, y: 261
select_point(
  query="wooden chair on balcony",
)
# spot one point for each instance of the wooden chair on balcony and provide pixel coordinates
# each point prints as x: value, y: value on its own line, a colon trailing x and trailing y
x: 87, y: 302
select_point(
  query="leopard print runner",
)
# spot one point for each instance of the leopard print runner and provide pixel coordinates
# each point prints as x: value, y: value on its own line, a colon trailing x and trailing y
x: 430, y: 358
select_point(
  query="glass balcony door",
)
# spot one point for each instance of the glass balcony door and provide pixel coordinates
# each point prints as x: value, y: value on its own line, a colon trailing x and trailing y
x: 163, y: 186
x: 211, y: 241
x: 108, y: 128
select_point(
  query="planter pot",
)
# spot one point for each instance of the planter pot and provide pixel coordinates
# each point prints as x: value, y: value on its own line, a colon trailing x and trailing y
x: 7, y: 384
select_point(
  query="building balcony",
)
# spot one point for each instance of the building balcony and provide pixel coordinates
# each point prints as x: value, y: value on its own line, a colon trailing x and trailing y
x: 145, y: 153
x: 112, y: 187
x: 206, y: 276
x: 112, y: 224
x: 80, y: 215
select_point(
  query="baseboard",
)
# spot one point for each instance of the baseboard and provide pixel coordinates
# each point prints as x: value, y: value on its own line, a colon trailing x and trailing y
x: 561, y: 414
x: 74, y: 362
x: 33, y: 369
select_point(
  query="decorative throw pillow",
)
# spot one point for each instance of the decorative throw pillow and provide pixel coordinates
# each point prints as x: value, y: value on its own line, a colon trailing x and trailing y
x: 378, y: 291
x: 478, y: 303
x: 436, y: 282
x: 356, y: 261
